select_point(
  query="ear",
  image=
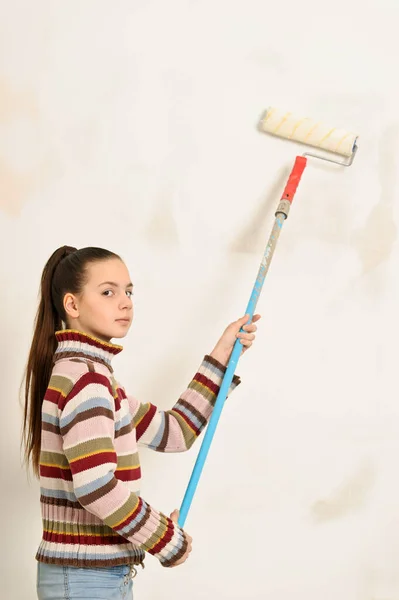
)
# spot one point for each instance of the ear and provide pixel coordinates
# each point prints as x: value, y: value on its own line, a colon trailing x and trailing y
x: 71, y: 306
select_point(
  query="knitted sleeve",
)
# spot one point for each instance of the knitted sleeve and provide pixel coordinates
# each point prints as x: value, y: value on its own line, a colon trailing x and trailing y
x: 87, y: 430
x: 177, y: 429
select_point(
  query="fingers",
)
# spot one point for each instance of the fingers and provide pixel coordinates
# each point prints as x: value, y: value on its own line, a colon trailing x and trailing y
x: 246, y: 337
x: 175, y: 515
x: 250, y: 328
x: 245, y: 319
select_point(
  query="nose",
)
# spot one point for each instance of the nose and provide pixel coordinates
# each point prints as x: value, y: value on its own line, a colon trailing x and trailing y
x: 125, y: 302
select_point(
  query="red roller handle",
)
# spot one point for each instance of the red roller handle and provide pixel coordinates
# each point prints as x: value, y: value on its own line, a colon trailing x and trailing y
x: 294, y: 178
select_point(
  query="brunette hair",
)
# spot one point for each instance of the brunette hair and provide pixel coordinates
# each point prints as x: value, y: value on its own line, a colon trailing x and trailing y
x: 65, y: 271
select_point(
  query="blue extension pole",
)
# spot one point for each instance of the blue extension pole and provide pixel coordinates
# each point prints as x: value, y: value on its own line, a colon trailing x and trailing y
x: 281, y: 216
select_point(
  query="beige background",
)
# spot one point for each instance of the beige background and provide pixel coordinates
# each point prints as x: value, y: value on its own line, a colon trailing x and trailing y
x: 132, y: 125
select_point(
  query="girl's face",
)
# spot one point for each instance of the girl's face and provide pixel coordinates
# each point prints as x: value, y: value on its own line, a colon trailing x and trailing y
x: 104, y: 309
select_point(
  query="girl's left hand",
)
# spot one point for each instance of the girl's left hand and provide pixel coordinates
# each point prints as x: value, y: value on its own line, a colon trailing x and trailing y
x: 224, y: 346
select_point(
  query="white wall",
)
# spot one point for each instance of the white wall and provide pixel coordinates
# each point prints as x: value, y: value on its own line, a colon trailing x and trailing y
x: 132, y: 125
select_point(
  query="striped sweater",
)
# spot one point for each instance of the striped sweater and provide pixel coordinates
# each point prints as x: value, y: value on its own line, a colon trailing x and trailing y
x: 92, y: 511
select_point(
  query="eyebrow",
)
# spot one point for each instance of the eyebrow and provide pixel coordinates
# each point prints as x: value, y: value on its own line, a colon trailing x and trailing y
x: 114, y: 284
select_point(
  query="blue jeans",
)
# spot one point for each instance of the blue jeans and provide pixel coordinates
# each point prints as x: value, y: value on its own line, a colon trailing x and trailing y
x: 55, y: 582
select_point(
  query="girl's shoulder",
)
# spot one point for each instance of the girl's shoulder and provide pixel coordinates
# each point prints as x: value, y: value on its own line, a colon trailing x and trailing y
x: 73, y: 371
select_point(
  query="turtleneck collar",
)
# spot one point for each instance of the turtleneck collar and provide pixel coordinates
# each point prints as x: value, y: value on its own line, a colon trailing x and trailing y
x: 76, y: 344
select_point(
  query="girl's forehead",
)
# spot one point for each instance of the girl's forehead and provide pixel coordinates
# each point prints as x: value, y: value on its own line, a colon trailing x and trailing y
x: 108, y: 270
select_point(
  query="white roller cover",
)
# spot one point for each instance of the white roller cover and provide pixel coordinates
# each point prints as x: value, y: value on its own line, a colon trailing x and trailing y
x: 308, y: 131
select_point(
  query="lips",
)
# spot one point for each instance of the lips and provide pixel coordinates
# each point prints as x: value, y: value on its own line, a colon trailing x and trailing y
x: 123, y: 320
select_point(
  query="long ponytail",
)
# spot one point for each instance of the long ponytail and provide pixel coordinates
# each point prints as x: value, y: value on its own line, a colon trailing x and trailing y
x: 65, y: 271
x: 40, y: 359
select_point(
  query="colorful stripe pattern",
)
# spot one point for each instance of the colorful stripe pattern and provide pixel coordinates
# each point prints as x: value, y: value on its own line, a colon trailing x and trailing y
x: 92, y: 511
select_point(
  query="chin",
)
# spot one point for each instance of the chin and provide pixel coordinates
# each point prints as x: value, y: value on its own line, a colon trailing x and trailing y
x: 119, y: 336
x: 120, y: 331
x: 113, y: 333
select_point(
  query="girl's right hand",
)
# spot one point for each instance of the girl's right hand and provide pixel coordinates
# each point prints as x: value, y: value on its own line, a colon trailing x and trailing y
x: 175, y: 517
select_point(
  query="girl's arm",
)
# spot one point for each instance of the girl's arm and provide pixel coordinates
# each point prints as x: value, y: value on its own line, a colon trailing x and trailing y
x: 177, y: 429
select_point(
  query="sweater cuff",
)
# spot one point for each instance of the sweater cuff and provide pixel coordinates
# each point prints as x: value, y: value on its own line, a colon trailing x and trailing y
x: 165, y: 539
x: 218, y: 370
x: 171, y: 554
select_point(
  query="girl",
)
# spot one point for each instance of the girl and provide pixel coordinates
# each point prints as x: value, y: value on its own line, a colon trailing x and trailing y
x: 82, y: 431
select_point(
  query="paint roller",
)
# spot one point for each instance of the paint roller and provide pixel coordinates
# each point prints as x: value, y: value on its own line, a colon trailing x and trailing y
x: 331, y: 141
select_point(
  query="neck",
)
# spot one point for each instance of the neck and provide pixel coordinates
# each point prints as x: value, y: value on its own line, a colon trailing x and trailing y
x: 75, y: 325
x: 75, y: 344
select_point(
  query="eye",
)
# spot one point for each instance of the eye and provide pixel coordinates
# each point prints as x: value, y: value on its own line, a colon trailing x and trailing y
x: 129, y: 293
x: 106, y: 293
